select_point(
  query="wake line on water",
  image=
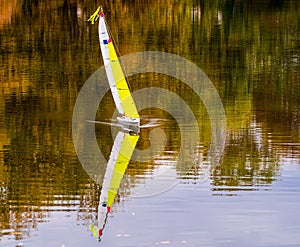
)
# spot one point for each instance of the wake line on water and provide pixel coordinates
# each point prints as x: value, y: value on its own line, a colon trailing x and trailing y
x: 153, y: 123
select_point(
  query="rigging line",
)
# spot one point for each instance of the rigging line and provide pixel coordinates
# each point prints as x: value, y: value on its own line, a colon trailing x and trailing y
x: 118, y: 55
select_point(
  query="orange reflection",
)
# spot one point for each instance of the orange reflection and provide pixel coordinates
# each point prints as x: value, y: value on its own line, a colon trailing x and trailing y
x: 6, y: 10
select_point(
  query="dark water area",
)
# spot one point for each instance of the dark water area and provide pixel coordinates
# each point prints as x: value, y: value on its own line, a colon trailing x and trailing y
x: 250, y: 50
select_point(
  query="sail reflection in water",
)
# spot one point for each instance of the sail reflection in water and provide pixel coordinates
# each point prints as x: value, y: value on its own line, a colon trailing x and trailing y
x: 123, y: 147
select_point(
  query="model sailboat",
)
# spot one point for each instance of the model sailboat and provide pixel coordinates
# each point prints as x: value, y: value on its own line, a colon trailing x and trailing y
x: 129, y: 120
x: 129, y: 116
x: 121, y: 153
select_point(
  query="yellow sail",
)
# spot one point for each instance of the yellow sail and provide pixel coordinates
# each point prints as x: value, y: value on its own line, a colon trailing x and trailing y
x: 121, y: 84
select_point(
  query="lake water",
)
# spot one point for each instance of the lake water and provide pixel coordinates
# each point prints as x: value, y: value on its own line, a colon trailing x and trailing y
x: 192, y: 180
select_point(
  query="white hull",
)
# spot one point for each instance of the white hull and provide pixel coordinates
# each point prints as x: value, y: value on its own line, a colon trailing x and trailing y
x: 129, y: 120
x: 129, y: 124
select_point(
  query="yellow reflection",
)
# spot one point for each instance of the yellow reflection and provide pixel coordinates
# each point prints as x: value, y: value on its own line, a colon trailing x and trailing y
x: 123, y: 147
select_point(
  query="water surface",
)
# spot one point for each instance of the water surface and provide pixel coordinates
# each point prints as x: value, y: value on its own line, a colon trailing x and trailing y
x: 250, y: 50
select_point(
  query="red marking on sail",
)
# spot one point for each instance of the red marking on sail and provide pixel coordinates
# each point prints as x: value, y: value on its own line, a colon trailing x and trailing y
x: 109, y: 40
x: 101, y: 14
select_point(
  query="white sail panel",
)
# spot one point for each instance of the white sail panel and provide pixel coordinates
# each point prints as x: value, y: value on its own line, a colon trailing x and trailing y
x: 103, y: 38
x: 118, y: 84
